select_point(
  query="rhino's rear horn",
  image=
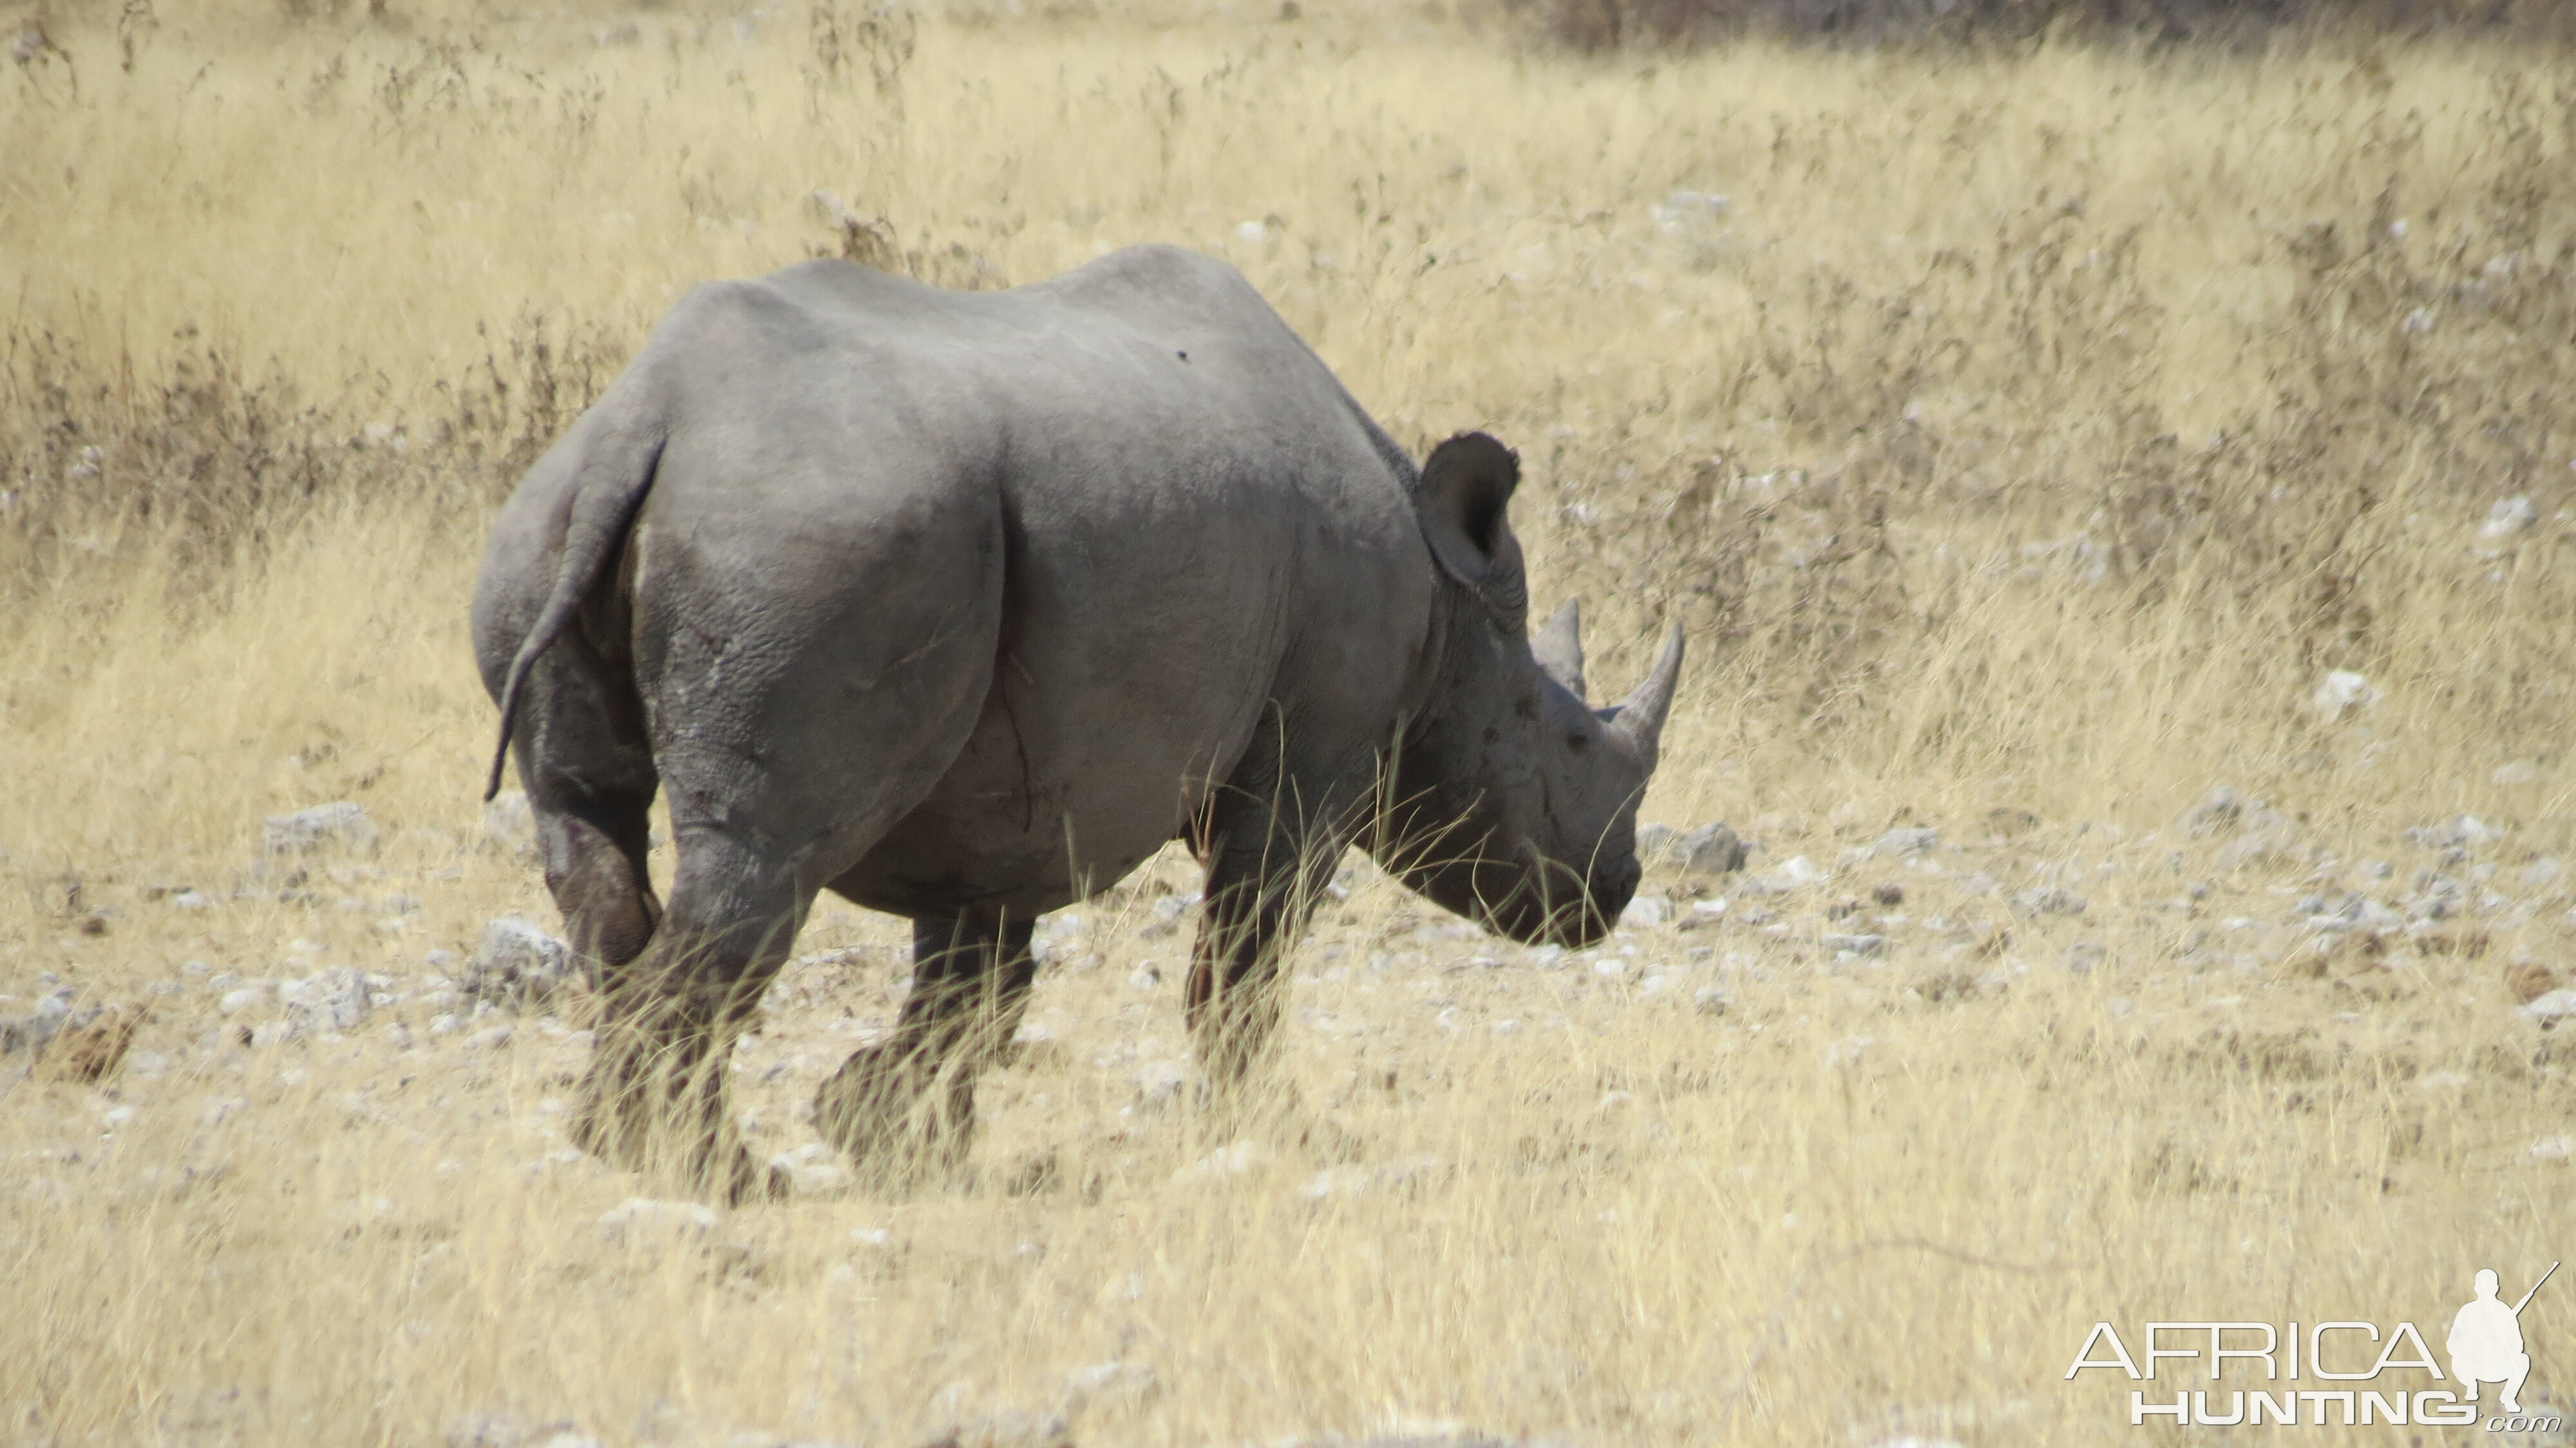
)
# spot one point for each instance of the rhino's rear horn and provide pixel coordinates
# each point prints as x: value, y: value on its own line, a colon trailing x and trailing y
x: 1558, y: 647
x: 1641, y: 714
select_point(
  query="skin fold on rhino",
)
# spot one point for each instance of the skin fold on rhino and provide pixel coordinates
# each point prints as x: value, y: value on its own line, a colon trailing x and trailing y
x: 961, y: 605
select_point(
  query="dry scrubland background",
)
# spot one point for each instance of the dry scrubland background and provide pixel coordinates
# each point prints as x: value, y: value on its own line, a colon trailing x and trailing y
x: 2024, y: 434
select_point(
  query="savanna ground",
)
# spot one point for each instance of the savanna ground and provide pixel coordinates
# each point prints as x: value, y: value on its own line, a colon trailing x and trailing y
x: 2033, y: 439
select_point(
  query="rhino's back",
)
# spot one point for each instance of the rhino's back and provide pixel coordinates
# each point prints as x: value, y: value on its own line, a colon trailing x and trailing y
x: 1197, y: 520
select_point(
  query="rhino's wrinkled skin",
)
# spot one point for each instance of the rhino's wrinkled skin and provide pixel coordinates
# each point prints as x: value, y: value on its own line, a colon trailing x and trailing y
x: 961, y: 605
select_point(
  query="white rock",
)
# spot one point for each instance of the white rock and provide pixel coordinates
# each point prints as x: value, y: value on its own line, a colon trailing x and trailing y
x: 2519, y: 771
x: 640, y: 1220
x: 1896, y: 844
x: 1711, y: 849
x: 2342, y: 691
x: 1848, y: 1051
x: 2552, y: 1148
x: 234, y: 1002
x: 1646, y: 912
x: 2048, y: 900
x: 2507, y: 518
x: 487, y: 1039
x: 340, y: 825
x: 1856, y: 944
x: 1158, y: 1084
x: 1224, y: 1162
x: 1109, y: 1385
x: 334, y: 1000
x: 515, y: 962
x: 2555, y: 1005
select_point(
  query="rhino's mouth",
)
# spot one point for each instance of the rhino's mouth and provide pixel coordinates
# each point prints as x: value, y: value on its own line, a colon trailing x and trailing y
x: 1555, y: 905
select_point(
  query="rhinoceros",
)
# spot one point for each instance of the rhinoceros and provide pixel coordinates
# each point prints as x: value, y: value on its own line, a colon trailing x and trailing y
x: 960, y: 606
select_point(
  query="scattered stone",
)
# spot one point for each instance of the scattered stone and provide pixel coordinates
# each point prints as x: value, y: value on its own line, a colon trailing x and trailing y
x: 1714, y: 1000
x: 1856, y: 944
x: 337, y: 826
x: 1848, y: 1051
x: 2214, y: 815
x: 813, y: 1169
x: 1712, y: 849
x: 643, y: 1221
x: 2084, y: 957
x: 2507, y: 518
x: 1646, y: 912
x: 2519, y: 771
x: 1010, y: 1428
x: 1144, y: 977
x: 2459, y: 832
x: 31, y: 1032
x: 1899, y: 843
x: 2342, y: 691
x: 1114, y: 1385
x: 2550, y: 1006
x: 1889, y: 895
x: 515, y: 963
x: 334, y: 1000
x: 1347, y: 1181
x: 1225, y: 1162
x: 2048, y: 900
x: 1798, y: 873
x: 489, y: 1038
x: 1159, y: 1084
x: 2551, y: 1148
x: 269, y: 1034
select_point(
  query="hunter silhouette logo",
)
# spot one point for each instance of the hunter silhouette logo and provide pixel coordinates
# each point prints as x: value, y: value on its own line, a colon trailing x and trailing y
x: 2486, y: 1341
x: 2360, y: 1371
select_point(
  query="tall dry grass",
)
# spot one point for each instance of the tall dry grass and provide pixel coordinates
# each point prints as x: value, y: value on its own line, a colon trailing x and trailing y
x: 2024, y: 438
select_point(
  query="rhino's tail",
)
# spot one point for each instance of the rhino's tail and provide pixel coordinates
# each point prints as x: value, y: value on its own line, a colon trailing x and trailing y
x: 611, y: 486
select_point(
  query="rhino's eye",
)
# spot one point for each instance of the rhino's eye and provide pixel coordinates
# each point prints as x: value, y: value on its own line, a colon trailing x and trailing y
x: 1578, y: 742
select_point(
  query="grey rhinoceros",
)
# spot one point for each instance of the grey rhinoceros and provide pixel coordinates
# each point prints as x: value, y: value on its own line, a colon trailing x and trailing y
x: 961, y: 605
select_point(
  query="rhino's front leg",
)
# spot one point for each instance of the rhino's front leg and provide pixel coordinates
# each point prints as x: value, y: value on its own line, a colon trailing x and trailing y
x: 1264, y: 874
x: 907, y: 1104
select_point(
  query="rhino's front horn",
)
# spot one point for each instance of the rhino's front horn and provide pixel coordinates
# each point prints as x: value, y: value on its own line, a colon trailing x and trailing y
x: 1641, y: 714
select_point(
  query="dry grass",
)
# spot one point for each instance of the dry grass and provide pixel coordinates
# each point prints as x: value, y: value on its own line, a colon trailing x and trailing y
x: 2023, y: 441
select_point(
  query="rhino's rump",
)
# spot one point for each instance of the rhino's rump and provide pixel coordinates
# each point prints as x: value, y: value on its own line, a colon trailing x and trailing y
x: 1195, y: 523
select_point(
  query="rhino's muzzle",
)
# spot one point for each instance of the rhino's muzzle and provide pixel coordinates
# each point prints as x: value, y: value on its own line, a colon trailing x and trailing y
x: 1566, y: 909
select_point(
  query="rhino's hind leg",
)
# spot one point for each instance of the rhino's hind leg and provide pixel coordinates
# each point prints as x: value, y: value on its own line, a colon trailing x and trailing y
x: 589, y: 773
x: 905, y: 1107
x: 655, y: 1100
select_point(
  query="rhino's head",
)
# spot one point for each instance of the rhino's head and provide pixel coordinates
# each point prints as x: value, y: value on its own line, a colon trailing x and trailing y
x: 1512, y: 801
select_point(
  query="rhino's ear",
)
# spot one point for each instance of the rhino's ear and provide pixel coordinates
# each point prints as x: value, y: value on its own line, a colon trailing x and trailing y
x: 1465, y: 486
